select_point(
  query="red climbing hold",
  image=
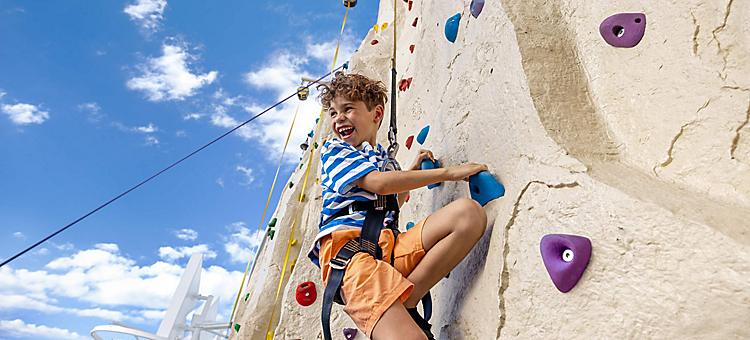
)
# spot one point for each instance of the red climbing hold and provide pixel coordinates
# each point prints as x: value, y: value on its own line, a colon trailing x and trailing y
x: 408, y: 197
x: 411, y: 48
x: 415, y: 22
x: 410, y: 3
x: 306, y: 293
x: 404, y: 84
x: 409, y: 141
x: 374, y: 42
x: 408, y: 82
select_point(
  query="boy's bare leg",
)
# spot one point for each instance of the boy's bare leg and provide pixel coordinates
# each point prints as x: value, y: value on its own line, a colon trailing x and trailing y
x: 396, y: 323
x: 447, y: 235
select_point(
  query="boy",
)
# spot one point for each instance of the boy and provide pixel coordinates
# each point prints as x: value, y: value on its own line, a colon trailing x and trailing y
x: 381, y: 298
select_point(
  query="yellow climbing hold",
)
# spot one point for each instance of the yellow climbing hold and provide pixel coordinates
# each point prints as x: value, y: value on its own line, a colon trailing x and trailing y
x: 294, y: 262
x: 294, y: 242
x: 375, y: 27
x: 384, y: 26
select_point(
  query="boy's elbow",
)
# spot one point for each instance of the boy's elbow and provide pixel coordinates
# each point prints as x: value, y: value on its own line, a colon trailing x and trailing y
x: 374, y: 183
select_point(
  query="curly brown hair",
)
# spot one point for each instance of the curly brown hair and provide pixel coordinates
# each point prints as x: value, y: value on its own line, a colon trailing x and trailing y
x: 354, y: 87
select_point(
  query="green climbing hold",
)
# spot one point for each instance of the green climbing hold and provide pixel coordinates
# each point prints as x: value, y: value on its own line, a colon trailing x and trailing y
x: 315, y: 145
x: 270, y: 233
x: 272, y: 223
x: 247, y: 296
x: 236, y: 327
x: 291, y: 185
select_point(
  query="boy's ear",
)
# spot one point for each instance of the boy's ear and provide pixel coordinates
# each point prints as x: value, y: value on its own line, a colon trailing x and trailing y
x: 379, y: 113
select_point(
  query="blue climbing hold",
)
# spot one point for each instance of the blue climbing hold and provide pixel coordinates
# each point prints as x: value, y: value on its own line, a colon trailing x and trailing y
x: 485, y: 188
x: 451, y: 27
x: 476, y: 7
x: 422, y: 136
x: 429, y: 164
x: 409, y: 225
x: 317, y: 120
x: 346, y: 65
x: 310, y: 134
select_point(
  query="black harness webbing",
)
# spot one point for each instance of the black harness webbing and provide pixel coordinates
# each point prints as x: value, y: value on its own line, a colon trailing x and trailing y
x: 367, y: 242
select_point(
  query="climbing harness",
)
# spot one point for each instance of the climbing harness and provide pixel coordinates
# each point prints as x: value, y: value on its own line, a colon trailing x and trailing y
x: 375, y: 214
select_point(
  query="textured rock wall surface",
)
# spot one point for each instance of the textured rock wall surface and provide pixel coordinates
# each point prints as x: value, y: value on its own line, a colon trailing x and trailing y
x: 644, y: 150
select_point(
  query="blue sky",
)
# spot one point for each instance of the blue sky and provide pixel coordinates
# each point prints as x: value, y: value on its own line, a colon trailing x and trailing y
x: 97, y: 95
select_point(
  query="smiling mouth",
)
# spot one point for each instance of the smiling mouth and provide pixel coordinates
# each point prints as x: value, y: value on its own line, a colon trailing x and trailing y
x: 346, y: 132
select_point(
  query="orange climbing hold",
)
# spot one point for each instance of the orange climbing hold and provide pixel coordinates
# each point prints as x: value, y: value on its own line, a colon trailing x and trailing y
x: 411, y: 48
x: 414, y: 23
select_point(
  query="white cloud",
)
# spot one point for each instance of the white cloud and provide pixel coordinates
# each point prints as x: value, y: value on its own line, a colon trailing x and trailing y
x: 220, y: 182
x: 180, y: 133
x: 247, y: 175
x: 186, y: 234
x: 151, y: 140
x: 18, y: 328
x: 168, y: 77
x: 64, y: 247
x: 2, y: 94
x: 192, y: 116
x: 147, y: 13
x: 24, y: 114
x: 150, y: 128
x: 13, y: 301
x: 19, y: 235
x: 281, y: 73
x: 94, y: 111
x: 172, y: 254
x: 109, y: 247
x: 241, y: 245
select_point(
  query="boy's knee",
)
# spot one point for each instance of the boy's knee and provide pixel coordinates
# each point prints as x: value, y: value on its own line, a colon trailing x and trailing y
x: 473, y: 218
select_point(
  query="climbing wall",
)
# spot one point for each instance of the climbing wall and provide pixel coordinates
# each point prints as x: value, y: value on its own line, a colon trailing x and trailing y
x: 630, y: 130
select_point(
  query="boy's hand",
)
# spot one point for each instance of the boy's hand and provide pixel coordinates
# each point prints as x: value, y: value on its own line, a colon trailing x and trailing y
x: 462, y: 172
x: 422, y: 155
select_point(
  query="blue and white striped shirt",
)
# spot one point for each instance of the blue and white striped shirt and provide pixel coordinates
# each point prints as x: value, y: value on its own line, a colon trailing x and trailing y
x: 341, y: 165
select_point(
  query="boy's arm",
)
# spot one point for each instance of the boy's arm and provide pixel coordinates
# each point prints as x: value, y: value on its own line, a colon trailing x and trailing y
x: 392, y: 182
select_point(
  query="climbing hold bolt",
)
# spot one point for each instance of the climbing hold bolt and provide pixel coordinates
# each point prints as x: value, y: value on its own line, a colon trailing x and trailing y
x: 303, y: 92
x: 374, y: 42
x: 306, y: 293
x: 485, y: 188
x: 451, y: 27
x: 623, y: 29
x: 429, y: 164
x: 350, y: 3
x: 350, y: 333
x: 566, y: 258
x: 411, y: 48
x: 409, y: 141
x: 422, y: 136
x: 476, y: 7
x: 409, y: 225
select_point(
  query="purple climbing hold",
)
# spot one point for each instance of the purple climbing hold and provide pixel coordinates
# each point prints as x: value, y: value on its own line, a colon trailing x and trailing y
x: 350, y: 333
x: 623, y: 29
x: 476, y: 7
x: 566, y: 258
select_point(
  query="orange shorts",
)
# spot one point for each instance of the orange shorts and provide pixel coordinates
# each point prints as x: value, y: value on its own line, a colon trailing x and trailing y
x: 370, y: 286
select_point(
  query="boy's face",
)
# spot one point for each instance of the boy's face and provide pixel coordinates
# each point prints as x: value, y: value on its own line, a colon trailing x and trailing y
x: 353, y: 122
